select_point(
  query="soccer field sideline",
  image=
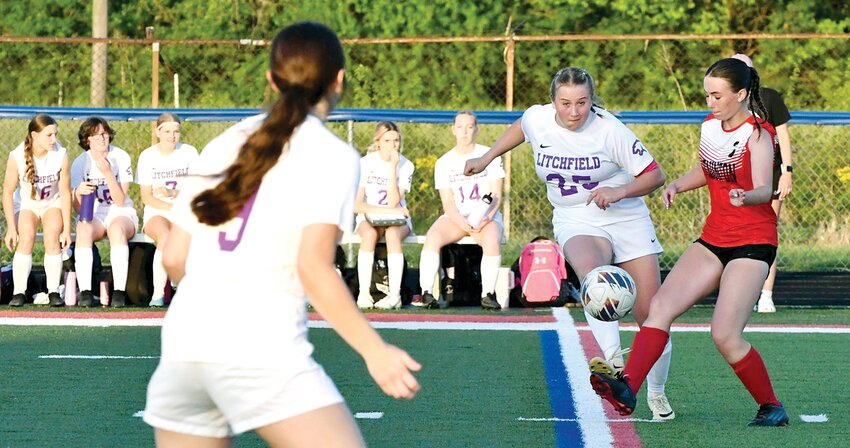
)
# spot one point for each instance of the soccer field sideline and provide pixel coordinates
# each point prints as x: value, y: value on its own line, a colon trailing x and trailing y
x: 396, y: 321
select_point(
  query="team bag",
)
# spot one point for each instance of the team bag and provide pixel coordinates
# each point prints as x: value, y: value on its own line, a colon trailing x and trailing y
x: 543, y: 278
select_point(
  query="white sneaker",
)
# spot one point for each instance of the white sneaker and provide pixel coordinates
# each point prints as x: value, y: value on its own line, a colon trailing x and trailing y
x: 765, y: 305
x: 157, y: 302
x: 612, y: 367
x: 661, y: 409
x: 365, y: 302
x: 389, y: 303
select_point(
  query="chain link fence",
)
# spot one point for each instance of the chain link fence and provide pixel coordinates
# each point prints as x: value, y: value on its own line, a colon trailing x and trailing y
x: 649, y: 73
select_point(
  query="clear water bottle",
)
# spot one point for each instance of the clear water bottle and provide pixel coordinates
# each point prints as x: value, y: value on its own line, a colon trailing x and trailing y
x: 481, y: 209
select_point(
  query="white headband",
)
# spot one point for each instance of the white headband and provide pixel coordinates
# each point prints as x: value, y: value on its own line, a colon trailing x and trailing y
x: 165, y: 123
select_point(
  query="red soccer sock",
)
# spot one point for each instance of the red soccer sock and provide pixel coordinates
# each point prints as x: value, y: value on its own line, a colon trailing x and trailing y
x: 753, y: 373
x: 646, y: 349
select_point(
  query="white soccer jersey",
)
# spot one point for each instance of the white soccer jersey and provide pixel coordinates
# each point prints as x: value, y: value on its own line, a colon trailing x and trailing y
x: 374, y: 177
x: 84, y: 169
x: 468, y: 190
x: 241, y: 300
x: 603, y: 153
x: 47, y: 171
x: 164, y: 170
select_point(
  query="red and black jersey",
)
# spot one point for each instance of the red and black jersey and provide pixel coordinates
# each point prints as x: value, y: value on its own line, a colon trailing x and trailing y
x: 724, y: 156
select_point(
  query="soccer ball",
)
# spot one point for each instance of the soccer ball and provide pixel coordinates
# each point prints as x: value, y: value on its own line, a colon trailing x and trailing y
x: 608, y: 293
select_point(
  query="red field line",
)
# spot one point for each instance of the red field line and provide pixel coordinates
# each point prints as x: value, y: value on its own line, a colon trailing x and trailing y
x: 84, y: 314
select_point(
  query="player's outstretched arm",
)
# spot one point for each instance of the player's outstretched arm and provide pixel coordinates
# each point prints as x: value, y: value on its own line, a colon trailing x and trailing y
x: 693, y: 179
x: 512, y: 138
x: 390, y: 367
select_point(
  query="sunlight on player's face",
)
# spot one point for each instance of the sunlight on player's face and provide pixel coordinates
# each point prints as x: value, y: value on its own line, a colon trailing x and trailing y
x: 723, y: 102
x: 44, y: 140
x: 389, y: 141
x: 100, y: 140
x: 169, y: 134
x: 572, y: 106
x: 465, y: 128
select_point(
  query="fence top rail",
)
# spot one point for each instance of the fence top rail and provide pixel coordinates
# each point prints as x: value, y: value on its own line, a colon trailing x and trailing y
x: 430, y: 39
x: 372, y: 115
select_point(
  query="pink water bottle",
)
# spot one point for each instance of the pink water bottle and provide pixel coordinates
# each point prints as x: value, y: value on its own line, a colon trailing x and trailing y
x: 70, y: 288
x: 104, y: 293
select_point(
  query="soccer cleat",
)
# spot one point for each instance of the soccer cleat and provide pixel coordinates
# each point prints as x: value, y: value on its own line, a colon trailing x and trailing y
x: 85, y: 299
x: 364, y: 302
x: 766, y: 305
x: 660, y: 407
x: 613, y: 366
x: 158, y: 302
x: 428, y: 301
x: 18, y: 300
x: 614, y: 390
x: 488, y: 302
x: 55, y: 299
x: 119, y: 298
x: 390, y: 302
x: 770, y: 415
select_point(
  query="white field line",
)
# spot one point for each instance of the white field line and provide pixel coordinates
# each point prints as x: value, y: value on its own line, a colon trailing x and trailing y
x: 359, y: 415
x: 590, y: 416
x: 819, y: 418
x: 610, y: 420
x: 95, y: 357
x: 495, y: 326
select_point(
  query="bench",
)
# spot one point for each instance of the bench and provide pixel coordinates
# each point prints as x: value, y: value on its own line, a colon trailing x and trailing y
x: 502, y: 281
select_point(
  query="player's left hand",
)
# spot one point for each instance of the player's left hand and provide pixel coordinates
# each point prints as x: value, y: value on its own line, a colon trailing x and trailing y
x: 392, y: 369
x: 736, y: 197
x: 605, y: 196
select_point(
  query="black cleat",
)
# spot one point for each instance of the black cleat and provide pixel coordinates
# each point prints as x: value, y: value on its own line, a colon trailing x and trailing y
x: 488, y: 302
x: 428, y: 301
x: 85, y: 299
x: 18, y: 300
x: 55, y: 299
x: 119, y: 299
x: 770, y: 415
x: 614, y: 390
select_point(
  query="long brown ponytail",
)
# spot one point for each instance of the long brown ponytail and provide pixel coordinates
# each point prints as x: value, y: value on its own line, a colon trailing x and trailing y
x: 305, y: 60
x: 37, y: 124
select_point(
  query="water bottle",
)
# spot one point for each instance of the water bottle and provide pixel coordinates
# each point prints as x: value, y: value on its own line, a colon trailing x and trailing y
x: 481, y: 209
x: 86, y: 207
x: 70, y: 288
x: 104, y: 293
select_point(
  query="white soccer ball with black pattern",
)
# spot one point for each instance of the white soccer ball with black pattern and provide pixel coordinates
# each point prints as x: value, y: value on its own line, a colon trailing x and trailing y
x: 608, y: 293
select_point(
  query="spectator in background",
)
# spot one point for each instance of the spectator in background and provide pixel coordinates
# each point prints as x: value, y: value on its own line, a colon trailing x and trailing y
x: 160, y: 174
x: 777, y: 115
x: 37, y: 187
x: 465, y: 212
x: 105, y: 171
x: 596, y: 172
x: 385, y: 177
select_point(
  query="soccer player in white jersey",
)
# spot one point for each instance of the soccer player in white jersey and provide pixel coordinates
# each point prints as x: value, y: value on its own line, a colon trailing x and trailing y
x: 160, y: 173
x: 461, y: 196
x: 105, y: 170
x: 385, y: 177
x: 596, y: 172
x: 37, y: 187
x: 253, y: 239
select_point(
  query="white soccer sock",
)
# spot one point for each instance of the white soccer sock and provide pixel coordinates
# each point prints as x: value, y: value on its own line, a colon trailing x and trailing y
x: 365, y: 262
x: 607, y: 334
x: 119, y: 258
x: 766, y: 294
x: 657, y: 376
x: 395, y: 269
x: 429, y: 263
x: 53, y: 271
x: 21, y: 267
x: 489, y: 273
x: 159, y: 275
x: 83, y: 260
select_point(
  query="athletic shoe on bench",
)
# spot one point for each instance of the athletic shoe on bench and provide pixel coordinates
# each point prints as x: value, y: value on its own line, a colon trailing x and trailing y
x: 18, y: 300
x: 158, y: 302
x: 489, y: 302
x: 85, y: 299
x: 389, y: 302
x: 119, y: 299
x: 55, y: 299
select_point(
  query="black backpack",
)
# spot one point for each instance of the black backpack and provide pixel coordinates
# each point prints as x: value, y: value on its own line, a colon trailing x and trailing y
x: 465, y: 288
x: 139, y: 287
